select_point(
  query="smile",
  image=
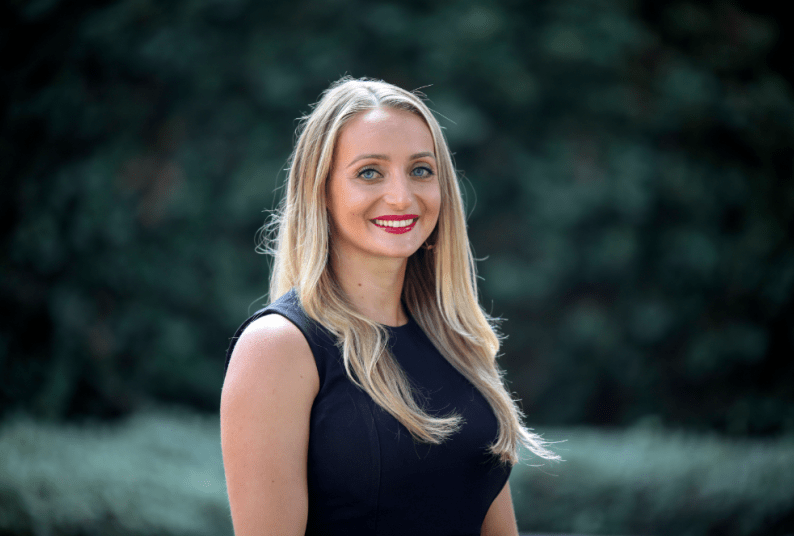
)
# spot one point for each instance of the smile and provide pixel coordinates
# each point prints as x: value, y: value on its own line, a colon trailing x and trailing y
x: 396, y: 224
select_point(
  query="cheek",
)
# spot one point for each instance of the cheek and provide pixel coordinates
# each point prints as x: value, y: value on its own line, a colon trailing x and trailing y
x: 434, y: 201
x: 345, y: 204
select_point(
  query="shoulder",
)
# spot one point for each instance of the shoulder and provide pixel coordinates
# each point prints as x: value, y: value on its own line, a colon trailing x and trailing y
x: 272, y: 348
x: 265, y: 415
x: 272, y: 330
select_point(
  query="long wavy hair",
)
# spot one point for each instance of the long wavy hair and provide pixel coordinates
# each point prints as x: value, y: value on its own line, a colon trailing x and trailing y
x: 440, y: 289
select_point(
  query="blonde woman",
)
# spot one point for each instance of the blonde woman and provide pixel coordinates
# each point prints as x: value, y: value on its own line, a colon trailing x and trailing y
x: 365, y: 399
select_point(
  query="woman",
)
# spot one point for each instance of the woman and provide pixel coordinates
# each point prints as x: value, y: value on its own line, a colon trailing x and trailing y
x: 370, y: 402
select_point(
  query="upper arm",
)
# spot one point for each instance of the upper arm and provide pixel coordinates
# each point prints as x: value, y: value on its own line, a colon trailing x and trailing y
x: 266, y: 404
x: 501, y: 518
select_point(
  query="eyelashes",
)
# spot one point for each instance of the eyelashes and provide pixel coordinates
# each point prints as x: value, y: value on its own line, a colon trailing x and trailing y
x: 370, y: 173
x: 367, y: 173
x: 428, y: 170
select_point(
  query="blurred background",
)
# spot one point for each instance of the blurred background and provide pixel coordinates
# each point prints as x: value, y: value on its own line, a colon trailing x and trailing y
x: 628, y: 173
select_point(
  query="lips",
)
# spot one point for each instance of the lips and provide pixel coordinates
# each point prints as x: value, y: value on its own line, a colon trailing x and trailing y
x: 396, y: 224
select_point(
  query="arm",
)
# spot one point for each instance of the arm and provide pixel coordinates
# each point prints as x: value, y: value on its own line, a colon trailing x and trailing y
x: 500, y: 519
x: 265, y: 408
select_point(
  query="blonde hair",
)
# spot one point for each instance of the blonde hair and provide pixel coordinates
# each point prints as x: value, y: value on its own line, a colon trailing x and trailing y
x: 440, y: 289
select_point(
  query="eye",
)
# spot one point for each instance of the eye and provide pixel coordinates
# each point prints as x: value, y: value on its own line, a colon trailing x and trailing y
x: 422, y: 171
x: 367, y: 173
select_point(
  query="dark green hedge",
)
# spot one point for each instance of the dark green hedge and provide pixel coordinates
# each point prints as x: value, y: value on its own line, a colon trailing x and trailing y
x: 628, y: 172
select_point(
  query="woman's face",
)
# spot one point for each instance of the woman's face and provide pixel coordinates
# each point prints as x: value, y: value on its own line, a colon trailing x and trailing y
x: 383, y: 194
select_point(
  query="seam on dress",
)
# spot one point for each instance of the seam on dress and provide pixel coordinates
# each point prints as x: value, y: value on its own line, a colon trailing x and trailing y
x: 376, y: 456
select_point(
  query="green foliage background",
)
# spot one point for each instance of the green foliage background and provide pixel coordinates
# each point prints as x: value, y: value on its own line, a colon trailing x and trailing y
x: 161, y: 473
x: 627, y: 165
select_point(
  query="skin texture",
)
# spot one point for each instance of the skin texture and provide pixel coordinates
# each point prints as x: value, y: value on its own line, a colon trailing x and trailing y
x: 383, y: 164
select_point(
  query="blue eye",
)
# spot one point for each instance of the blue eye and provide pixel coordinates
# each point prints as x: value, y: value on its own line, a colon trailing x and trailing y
x: 367, y: 173
x: 422, y: 172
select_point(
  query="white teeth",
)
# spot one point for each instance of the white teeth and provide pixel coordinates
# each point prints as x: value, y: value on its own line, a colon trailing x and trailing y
x: 395, y: 223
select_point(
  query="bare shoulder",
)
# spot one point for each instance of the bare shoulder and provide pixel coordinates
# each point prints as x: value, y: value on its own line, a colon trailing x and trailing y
x: 271, y: 370
x: 265, y: 411
x: 269, y: 345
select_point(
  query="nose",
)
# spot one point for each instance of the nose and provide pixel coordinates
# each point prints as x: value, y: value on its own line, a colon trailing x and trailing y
x: 398, y: 192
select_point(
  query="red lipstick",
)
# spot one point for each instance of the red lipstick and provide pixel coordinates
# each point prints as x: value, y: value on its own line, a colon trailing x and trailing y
x: 401, y: 229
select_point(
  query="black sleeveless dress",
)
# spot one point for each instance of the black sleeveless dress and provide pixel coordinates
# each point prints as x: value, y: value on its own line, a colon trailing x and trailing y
x: 366, y: 474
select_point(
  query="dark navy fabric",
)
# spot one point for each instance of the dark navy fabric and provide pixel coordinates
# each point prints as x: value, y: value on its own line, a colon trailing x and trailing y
x: 366, y: 474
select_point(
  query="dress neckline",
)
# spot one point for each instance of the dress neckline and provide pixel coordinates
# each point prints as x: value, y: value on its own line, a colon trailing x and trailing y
x: 401, y: 328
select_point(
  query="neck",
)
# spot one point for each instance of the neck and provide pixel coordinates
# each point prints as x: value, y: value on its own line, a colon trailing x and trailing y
x: 373, y: 286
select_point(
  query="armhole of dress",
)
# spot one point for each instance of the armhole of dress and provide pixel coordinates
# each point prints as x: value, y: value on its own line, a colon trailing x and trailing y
x: 277, y: 311
x: 507, y: 469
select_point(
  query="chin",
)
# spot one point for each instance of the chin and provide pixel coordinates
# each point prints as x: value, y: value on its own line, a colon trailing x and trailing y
x: 401, y: 253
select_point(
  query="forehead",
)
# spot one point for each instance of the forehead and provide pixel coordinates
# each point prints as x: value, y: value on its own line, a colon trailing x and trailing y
x: 384, y: 131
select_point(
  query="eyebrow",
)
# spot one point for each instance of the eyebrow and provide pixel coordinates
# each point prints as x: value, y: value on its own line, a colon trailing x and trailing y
x: 386, y: 157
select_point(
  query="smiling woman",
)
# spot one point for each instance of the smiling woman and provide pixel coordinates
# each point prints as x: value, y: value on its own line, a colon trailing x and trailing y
x: 366, y: 399
x: 383, y: 183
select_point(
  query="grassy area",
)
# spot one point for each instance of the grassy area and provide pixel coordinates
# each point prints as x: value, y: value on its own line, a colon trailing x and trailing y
x: 161, y: 473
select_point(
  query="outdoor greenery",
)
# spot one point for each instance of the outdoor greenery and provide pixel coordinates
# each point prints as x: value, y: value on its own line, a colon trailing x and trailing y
x: 628, y: 168
x: 649, y: 480
x: 156, y: 473
x: 160, y: 472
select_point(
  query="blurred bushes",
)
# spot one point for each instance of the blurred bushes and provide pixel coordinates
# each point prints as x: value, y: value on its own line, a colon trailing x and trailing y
x: 161, y: 473
x: 156, y: 473
x: 628, y: 170
x: 647, y: 480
